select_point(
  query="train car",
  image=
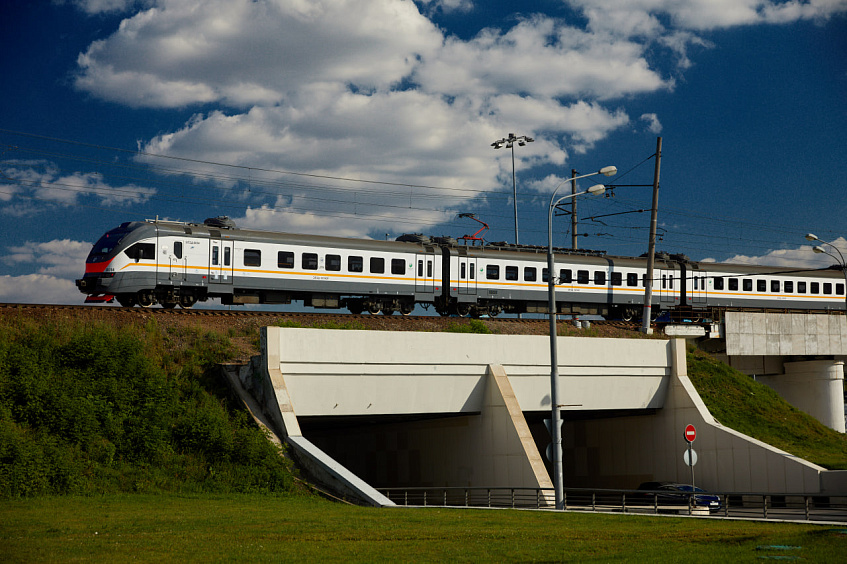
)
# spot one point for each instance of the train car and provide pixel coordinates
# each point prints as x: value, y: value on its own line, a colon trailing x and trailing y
x: 172, y: 263
x: 723, y: 285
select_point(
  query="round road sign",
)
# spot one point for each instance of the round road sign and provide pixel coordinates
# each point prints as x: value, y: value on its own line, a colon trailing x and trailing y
x: 690, y: 460
x: 690, y: 433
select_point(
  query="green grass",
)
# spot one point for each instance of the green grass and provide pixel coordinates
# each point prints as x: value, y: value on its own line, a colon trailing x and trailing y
x: 260, y: 528
x: 739, y: 402
x: 90, y: 409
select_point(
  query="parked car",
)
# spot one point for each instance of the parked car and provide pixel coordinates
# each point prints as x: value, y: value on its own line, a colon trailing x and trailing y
x: 672, y: 493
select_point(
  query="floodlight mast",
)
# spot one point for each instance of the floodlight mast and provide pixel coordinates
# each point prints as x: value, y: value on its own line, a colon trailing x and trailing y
x: 509, y: 143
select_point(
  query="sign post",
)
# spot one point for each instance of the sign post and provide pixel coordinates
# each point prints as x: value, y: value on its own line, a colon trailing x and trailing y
x: 690, y: 434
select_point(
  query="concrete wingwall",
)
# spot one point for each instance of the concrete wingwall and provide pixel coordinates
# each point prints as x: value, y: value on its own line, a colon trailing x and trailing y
x: 483, y: 438
x: 622, y: 452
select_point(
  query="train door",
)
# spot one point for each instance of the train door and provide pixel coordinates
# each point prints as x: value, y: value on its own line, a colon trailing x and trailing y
x: 425, y: 272
x: 667, y: 286
x: 697, y: 287
x: 220, y: 261
x: 177, y: 261
x: 467, y: 275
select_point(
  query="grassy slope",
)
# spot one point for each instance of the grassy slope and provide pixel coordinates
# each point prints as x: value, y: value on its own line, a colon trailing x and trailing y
x: 739, y: 402
x: 87, y: 409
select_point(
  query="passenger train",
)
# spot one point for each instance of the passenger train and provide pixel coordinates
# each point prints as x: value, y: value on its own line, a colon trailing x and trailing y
x: 171, y: 263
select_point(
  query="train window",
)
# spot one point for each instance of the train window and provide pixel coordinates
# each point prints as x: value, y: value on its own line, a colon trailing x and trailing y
x: 492, y: 272
x: 310, y: 261
x: 747, y: 285
x: 144, y: 251
x: 511, y: 273
x: 377, y: 265
x: 643, y: 280
x: 545, y: 275
x: 839, y: 289
x: 420, y: 268
x: 631, y: 279
x: 789, y: 287
x: 775, y: 286
x: 285, y: 259
x: 801, y: 287
x: 462, y: 271
x: 252, y: 257
x: 471, y: 270
x: 566, y: 276
x: 333, y: 262
x: 761, y: 286
x: 398, y: 266
x: 582, y: 277
x: 718, y: 282
x: 600, y: 277
x: 429, y: 269
x: 530, y: 274
x: 733, y: 284
x: 215, y: 253
x: 355, y: 264
x: 827, y: 288
x: 664, y: 281
x: 617, y: 279
x: 178, y: 249
x: 815, y: 287
x: 227, y: 255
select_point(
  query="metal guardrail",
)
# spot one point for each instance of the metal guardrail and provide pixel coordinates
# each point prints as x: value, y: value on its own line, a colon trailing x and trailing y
x: 768, y: 506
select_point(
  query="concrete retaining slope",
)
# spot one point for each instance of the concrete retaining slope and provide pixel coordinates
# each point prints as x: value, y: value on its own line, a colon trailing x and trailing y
x: 458, y: 403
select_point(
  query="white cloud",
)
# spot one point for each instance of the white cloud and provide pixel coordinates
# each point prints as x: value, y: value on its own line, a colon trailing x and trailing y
x: 653, y: 123
x: 242, y: 53
x: 38, y: 289
x: 93, y: 7
x: 801, y: 257
x: 59, y: 257
x: 43, y: 181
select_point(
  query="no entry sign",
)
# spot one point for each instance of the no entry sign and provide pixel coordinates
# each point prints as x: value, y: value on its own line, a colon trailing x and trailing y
x: 690, y: 433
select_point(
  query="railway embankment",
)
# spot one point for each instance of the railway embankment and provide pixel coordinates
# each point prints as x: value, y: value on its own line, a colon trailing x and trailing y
x: 102, y: 399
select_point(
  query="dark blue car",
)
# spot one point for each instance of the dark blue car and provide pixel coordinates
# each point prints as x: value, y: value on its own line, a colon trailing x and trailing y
x: 672, y: 493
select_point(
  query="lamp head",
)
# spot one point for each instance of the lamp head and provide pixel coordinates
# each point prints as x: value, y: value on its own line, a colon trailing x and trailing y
x: 597, y: 189
x: 818, y: 249
x: 811, y: 237
x: 609, y: 170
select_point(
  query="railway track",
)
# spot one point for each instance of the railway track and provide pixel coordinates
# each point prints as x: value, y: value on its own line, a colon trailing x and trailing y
x: 399, y: 321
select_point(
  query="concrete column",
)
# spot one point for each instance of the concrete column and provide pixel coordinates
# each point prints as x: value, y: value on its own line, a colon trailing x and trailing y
x: 815, y: 387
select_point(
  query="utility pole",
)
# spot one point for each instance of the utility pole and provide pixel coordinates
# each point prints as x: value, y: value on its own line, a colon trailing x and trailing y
x: 573, y: 211
x: 651, y: 247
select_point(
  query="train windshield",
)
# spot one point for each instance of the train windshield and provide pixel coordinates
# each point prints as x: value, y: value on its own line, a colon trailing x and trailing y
x: 106, y: 244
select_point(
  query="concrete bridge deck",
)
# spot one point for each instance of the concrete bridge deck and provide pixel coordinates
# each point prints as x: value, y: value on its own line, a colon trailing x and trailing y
x: 384, y: 409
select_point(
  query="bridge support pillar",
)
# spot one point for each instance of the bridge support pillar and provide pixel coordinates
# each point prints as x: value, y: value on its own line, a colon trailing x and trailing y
x: 815, y: 387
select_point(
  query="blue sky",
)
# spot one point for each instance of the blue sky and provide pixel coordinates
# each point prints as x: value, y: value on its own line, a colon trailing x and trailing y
x: 367, y: 118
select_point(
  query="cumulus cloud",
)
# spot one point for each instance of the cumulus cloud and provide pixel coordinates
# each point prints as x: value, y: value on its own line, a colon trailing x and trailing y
x: 38, y: 289
x: 44, y: 181
x: 652, y: 123
x: 374, y: 89
x: 59, y: 257
x: 800, y: 257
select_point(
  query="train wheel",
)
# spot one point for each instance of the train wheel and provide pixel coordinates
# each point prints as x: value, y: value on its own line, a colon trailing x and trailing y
x: 406, y: 308
x: 187, y: 301
x: 126, y: 300
x: 463, y: 310
x: 629, y: 313
x: 388, y: 311
x: 355, y: 307
x: 146, y: 299
x: 168, y: 305
x: 374, y: 308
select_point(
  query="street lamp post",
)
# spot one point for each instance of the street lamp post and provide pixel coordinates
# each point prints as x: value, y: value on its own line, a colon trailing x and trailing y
x: 509, y: 143
x: 556, y: 423
x: 839, y: 259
